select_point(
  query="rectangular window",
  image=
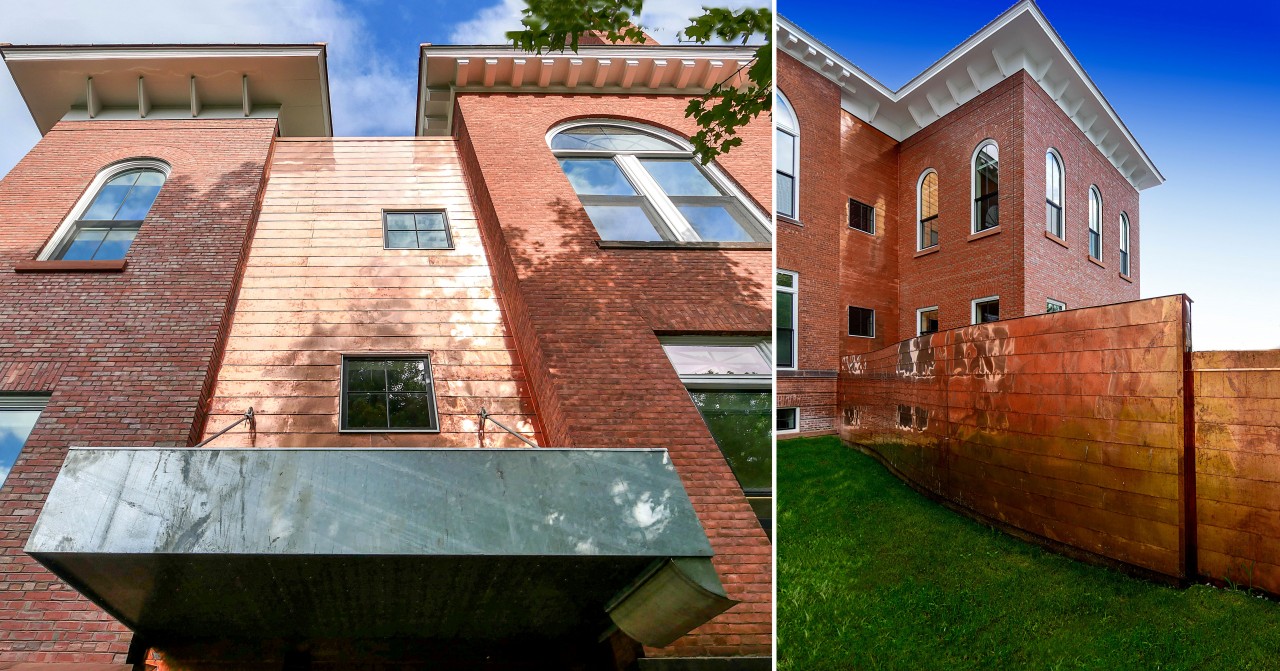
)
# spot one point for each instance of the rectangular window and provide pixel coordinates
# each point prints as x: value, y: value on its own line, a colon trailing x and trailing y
x: 388, y: 393
x: 415, y: 230
x: 986, y: 310
x: 785, y: 305
x: 18, y: 415
x: 862, y: 322
x: 788, y: 420
x: 921, y: 418
x: 862, y: 217
x: 1051, y: 305
x: 927, y: 321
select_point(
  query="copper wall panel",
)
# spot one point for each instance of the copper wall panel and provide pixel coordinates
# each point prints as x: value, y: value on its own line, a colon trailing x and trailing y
x: 1237, y: 434
x: 1068, y: 426
x: 318, y: 284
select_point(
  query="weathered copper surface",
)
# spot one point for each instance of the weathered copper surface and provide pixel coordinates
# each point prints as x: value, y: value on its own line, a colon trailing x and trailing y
x: 1066, y: 425
x: 1237, y: 435
x: 319, y: 284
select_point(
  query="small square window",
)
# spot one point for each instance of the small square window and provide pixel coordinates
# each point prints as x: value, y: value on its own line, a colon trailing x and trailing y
x: 788, y: 420
x: 416, y: 230
x: 862, y: 322
x: 1051, y: 305
x: 927, y: 321
x: 986, y: 310
x: 862, y: 217
x: 393, y: 393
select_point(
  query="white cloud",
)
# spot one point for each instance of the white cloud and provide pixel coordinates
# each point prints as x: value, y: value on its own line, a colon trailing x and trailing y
x: 369, y: 94
x: 663, y: 19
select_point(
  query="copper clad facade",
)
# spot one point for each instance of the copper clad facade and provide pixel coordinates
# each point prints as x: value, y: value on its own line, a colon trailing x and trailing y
x: 1067, y: 426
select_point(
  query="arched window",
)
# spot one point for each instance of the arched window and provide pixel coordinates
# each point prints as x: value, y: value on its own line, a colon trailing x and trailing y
x: 106, y: 220
x: 986, y: 186
x: 786, y: 158
x: 1095, y: 223
x: 927, y: 209
x: 1053, y: 194
x: 641, y: 184
x: 1124, y: 243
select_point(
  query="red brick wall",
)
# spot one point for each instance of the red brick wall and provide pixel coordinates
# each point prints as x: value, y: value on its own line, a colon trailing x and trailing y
x: 1066, y: 273
x: 586, y: 320
x: 127, y: 356
x: 965, y: 266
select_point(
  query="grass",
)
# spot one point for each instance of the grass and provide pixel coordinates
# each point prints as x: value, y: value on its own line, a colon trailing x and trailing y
x: 872, y: 575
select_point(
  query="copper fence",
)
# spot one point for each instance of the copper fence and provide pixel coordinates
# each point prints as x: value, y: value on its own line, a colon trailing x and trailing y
x: 1068, y: 427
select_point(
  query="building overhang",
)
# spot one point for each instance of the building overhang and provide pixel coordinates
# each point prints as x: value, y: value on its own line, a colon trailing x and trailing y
x: 472, y: 546
x: 444, y: 71
x: 1019, y: 39
x: 286, y: 81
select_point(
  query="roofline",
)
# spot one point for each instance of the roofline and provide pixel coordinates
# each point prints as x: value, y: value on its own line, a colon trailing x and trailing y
x: 1028, y: 7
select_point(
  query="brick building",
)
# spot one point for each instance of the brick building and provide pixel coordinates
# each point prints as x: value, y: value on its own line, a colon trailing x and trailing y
x: 542, y: 263
x: 998, y: 183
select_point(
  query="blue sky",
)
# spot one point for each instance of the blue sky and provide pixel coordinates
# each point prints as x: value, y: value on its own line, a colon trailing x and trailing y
x: 1197, y: 86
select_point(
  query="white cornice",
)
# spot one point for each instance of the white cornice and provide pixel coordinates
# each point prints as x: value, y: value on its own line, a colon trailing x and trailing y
x: 1019, y: 39
x: 136, y: 81
x: 663, y: 70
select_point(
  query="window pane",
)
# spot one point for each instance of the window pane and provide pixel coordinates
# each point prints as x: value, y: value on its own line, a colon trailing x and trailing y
x: 717, y: 359
x: 596, y: 177
x: 432, y: 240
x: 15, y: 426
x: 622, y: 222
x: 402, y: 240
x: 928, y: 322
x: 366, y: 411
x: 609, y: 138
x: 740, y: 423
x: 116, y: 244
x: 786, y: 419
x: 125, y: 178
x: 366, y: 376
x: 107, y: 202
x: 150, y: 178
x: 84, y: 245
x: 714, y: 222
x: 411, y: 411
x: 786, y: 195
x: 785, y: 280
x: 680, y: 178
x: 400, y: 221
x: 430, y: 221
x: 406, y: 375
x: 786, y: 309
x: 138, y: 203
x: 786, y: 158
x: 988, y: 312
x: 929, y: 196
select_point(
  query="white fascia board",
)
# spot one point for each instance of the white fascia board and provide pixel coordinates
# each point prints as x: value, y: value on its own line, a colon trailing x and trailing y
x: 875, y: 95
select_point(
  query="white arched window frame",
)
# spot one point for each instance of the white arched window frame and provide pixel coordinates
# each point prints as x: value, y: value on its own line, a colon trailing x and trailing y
x: 1095, y: 223
x: 985, y: 185
x: 926, y: 222
x: 1054, y: 185
x: 70, y: 227
x: 786, y: 157
x: 663, y: 209
x: 1124, y: 243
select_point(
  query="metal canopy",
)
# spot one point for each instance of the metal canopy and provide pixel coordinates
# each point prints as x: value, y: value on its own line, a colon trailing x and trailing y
x: 444, y: 544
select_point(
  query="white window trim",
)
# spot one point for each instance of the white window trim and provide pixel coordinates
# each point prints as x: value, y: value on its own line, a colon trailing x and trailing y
x: 778, y: 431
x: 1095, y: 191
x: 792, y: 130
x: 68, y: 225
x: 973, y: 185
x: 919, y: 313
x: 764, y: 347
x: 1126, y: 256
x: 1062, y: 190
x: 670, y: 223
x: 920, y: 209
x: 973, y: 308
x: 794, y: 290
x: 1061, y: 306
x: 873, y: 322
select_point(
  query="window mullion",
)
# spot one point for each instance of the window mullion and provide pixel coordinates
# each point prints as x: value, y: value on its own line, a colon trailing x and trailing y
x: 675, y: 224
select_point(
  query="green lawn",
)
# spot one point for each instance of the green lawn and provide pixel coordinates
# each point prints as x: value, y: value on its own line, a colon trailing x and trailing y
x: 871, y: 575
